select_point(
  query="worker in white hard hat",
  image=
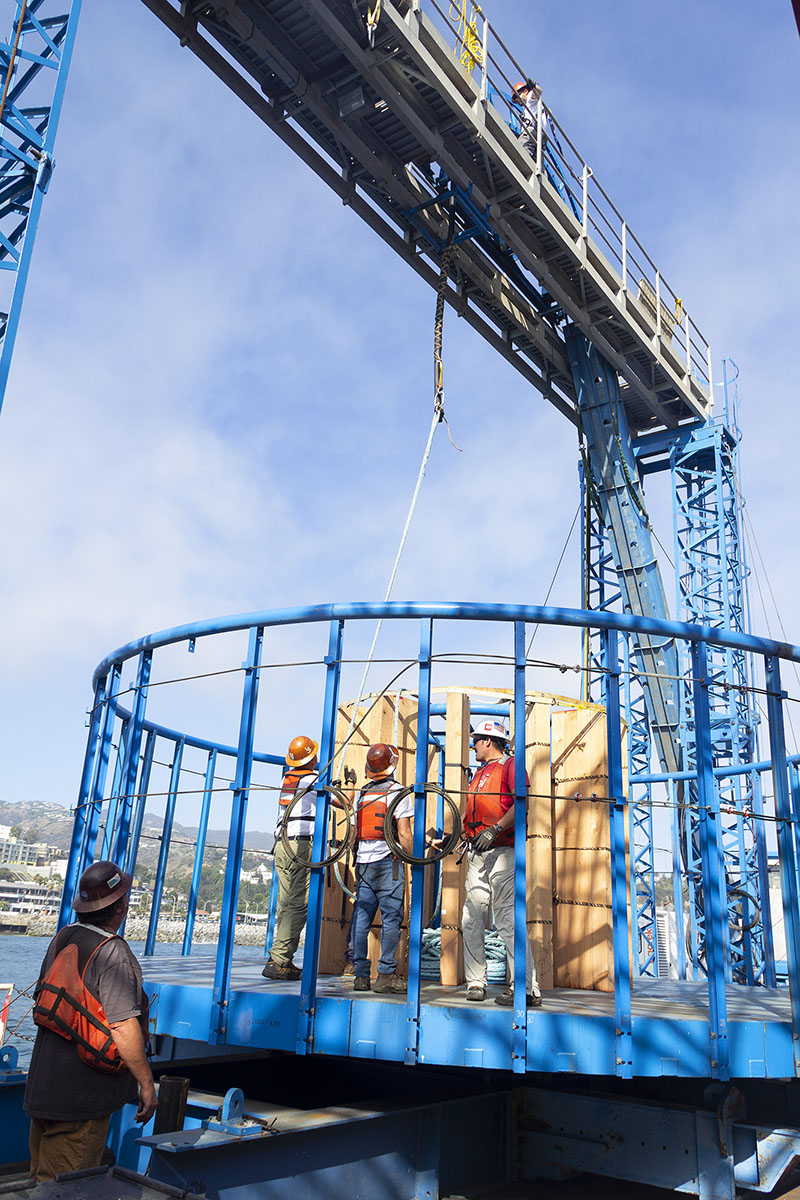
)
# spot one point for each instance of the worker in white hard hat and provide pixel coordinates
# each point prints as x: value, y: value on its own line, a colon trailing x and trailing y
x: 291, y: 870
x: 489, y: 828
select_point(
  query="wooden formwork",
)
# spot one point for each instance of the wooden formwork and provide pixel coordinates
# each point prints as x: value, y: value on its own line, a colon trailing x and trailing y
x: 568, y: 862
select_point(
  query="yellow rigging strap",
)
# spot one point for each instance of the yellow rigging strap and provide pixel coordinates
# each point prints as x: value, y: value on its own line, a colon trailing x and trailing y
x: 468, y: 49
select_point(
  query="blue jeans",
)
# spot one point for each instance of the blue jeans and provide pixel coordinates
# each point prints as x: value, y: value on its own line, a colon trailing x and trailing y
x: 375, y: 888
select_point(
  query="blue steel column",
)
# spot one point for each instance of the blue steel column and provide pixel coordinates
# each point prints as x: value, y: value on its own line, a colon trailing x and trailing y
x: 715, y: 909
x: 619, y: 884
x: 418, y: 872
x: 316, y: 887
x: 787, y: 858
x: 163, y: 854
x: 131, y: 763
x: 106, y: 734
x: 72, y: 873
x: 519, y: 1029
x: 233, y: 860
x: 44, y: 36
x: 141, y: 800
x: 113, y: 796
x: 199, y: 851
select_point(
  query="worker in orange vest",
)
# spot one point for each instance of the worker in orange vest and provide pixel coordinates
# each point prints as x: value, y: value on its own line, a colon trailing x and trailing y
x: 380, y: 878
x: 489, y: 828
x: 291, y: 870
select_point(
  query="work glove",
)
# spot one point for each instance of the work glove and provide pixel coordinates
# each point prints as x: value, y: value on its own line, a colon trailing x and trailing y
x: 349, y: 775
x: 485, y: 839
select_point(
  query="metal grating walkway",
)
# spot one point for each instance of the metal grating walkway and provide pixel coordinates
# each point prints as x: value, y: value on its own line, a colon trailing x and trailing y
x: 389, y: 126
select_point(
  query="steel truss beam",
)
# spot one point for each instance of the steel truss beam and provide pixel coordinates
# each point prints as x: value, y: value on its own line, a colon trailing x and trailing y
x: 34, y: 62
x: 711, y: 585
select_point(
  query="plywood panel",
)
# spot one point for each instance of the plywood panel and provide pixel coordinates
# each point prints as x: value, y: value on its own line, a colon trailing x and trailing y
x: 453, y: 872
x: 539, y: 860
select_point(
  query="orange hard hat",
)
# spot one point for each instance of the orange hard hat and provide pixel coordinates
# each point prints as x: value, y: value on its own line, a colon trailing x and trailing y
x: 381, y: 758
x: 301, y: 750
x: 100, y: 885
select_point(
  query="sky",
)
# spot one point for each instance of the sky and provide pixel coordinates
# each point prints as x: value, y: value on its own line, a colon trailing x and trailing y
x: 222, y: 381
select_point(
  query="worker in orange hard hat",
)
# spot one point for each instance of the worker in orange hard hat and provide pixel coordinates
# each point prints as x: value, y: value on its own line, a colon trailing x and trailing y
x: 380, y: 878
x: 290, y: 870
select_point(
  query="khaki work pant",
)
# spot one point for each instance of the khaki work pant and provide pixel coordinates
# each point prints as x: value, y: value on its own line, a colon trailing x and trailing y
x: 292, y: 907
x: 60, y: 1146
x: 490, y: 893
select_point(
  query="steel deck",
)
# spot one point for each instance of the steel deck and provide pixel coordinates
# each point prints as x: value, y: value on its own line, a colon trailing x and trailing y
x: 573, y: 1031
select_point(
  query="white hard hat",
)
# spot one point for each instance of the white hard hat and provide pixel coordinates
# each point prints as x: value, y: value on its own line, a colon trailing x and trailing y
x: 492, y: 729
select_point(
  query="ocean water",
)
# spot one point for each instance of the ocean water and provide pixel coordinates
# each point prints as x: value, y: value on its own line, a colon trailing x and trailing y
x: 20, y: 960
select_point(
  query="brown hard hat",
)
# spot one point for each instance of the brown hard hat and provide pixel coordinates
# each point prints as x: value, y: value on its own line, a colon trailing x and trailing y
x: 381, y: 758
x: 301, y: 750
x: 100, y: 885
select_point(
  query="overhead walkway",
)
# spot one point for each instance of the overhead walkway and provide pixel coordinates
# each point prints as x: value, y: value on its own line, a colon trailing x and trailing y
x: 405, y: 134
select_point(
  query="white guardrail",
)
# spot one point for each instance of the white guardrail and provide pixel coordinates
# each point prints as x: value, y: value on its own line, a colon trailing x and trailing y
x: 479, y: 48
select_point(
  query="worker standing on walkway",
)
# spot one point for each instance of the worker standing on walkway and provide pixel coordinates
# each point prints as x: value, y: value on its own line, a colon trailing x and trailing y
x: 291, y: 869
x: 89, y: 1058
x: 380, y: 878
x: 525, y: 102
x: 489, y: 828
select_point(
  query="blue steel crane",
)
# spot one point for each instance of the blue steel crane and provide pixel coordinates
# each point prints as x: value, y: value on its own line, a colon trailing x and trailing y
x: 542, y: 266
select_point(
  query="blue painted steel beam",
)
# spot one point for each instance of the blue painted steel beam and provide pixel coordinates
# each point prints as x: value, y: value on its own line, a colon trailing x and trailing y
x: 131, y: 763
x: 411, y: 1053
x: 714, y: 906
x: 394, y: 610
x: 163, y: 853
x: 102, y: 757
x: 199, y: 851
x: 112, y: 808
x: 316, y: 890
x: 519, y: 1028
x: 73, y: 869
x: 623, y: 1058
x: 240, y: 788
x: 141, y: 801
x: 34, y: 63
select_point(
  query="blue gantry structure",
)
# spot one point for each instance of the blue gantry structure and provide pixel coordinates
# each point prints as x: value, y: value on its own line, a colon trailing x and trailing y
x: 407, y: 110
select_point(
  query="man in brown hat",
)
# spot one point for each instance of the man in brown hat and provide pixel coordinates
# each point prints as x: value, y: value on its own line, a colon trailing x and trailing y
x: 89, y: 1058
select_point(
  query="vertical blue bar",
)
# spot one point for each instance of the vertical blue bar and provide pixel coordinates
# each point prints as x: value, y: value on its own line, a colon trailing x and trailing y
x: 113, y: 798
x: 418, y: 872
x: 787, y: 857
x: 233, y: 860
x: 619, y: 882
x: 677, y: 890
x: 131, y: 763
x: 715, y: 911
x: 73, y: 871
x: 316, y: 888
x: 271, y: 910
x: 199, y: 851
x: 163, y: 854
x: 762, y: 867
x: 101, y: 769
x: 141, y: 801
x: 519, y: 1028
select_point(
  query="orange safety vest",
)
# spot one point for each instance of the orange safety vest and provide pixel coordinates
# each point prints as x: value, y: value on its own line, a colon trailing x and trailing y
x: 289, y: 784
x: 371, y: 814
x: 64, y: 1004
x: 484, y: 809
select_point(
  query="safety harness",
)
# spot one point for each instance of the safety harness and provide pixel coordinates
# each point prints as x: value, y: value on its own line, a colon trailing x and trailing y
x: 484, y: 807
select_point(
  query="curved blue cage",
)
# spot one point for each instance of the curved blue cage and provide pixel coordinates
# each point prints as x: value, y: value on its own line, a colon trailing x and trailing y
x: 724, y: 1027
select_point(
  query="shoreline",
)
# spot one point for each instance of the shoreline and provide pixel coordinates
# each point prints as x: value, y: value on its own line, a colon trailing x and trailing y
x: 205, y: 933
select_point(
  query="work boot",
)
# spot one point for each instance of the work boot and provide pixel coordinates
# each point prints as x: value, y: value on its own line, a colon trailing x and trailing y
x: 349, y: 969
x: 390, y: 984
x: 476, y: 992
x: 507, y: 999
x: 361, y: 983
x: 276, y: 970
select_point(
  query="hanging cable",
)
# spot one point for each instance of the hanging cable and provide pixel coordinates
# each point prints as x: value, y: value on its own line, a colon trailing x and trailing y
x: 438, y: 417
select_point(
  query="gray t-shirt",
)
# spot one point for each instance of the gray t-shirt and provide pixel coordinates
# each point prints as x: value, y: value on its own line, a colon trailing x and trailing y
x: 61, y: 1087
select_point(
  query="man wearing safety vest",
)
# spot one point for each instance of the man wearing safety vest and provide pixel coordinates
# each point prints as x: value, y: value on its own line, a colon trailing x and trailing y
x: 291, y: 870
x: 489, y: 828
x: 380, y: 878
x: 89, y: 1058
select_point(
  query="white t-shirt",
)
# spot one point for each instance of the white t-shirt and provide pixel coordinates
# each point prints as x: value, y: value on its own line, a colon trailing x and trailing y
x: 301, y: 821
x: 374, y: 851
